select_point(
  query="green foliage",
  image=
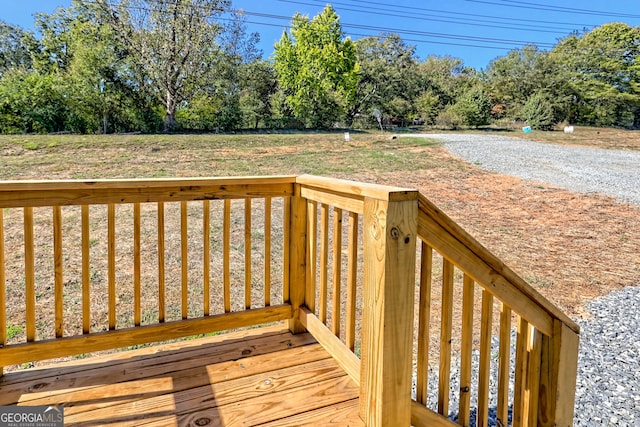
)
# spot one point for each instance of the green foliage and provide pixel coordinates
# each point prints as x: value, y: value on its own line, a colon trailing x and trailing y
x: 538, y: 112
x: 317, y: 69
x: 474, y: 108
x: 449, y: 119
x: 428, y: 107
x: 15, y: 46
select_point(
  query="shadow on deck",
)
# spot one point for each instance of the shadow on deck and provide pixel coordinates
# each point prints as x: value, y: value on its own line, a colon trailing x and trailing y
x: 264, y: 376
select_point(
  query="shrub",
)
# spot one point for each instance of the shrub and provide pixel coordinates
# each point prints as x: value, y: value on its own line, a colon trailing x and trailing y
x: 538, y: 112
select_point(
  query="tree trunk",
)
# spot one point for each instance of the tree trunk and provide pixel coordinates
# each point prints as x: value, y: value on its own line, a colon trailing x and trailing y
x: 170, y: 122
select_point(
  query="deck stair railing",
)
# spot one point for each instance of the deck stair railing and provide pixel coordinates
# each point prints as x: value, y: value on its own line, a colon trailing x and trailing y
x: 395, y: 290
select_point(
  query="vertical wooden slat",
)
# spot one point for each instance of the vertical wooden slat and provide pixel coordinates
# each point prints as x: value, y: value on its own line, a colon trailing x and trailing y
x: 534, y: 375
x: 324, y: 267
x: 352, y: 278
x: 86, y: 271
x: 559, y: 373
x: 445, y: 338
x: 247, y: 254
x: 111, y: 249
x: 297, y: 247
x: 184, y: 249
x: 424, y: 317
x: 337, y: 270
x: 29, y: 264
x: 520, y: 404
x: 3, y: 289
x: 466, y: 350
x: 226, y: 256
x: 312, y: 241
x: 58, y: 280
x: 484, y: 366
x: 161, y: 275
x: 137, y: 296
x: 286, y: 256
x: 267, y: 251
x: 206, y: 252
x: 504, y: 367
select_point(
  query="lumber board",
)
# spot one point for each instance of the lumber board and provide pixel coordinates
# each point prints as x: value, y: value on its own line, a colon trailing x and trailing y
x: 421, y: 416
x: 98, y: 341
x: 70, y: 192
x: 97, y: 372
x: 359, y: 189
x: 341, y: 414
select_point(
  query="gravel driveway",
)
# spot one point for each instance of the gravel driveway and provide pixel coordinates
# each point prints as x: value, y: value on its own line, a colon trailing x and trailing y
x: 608, y: 384
x: 582, y: 169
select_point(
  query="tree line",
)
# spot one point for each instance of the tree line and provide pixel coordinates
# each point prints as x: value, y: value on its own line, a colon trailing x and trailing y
x: 167, y: 65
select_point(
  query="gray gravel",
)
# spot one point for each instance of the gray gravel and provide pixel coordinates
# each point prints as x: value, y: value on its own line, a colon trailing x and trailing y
x: 608, y: 384
x: 581, y: 169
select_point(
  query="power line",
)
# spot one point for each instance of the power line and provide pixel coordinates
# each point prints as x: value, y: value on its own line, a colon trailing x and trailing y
x: 539, y: 6
x: 424, y: 17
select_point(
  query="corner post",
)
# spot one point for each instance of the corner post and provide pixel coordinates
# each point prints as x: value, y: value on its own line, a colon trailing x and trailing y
x: 389, y: 240
x: 559, y: 370
x: 297, y: 257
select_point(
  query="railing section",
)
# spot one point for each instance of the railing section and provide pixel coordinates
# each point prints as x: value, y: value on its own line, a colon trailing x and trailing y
x: 90, y: 266
x: 488, y: 346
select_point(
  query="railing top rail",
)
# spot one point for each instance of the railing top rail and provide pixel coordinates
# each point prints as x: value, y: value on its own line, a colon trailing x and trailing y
x: 493, y: 262
x: 358, y: 189
x: 79, y: 192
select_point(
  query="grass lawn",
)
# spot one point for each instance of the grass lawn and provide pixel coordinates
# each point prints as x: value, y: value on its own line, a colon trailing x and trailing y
x: 571, y: 247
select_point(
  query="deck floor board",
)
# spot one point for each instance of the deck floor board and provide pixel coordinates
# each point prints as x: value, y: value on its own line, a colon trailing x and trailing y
x: 252, y: 377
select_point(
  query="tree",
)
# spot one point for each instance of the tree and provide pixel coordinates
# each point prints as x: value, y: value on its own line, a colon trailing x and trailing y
x: 474, y: 107
x: 602, y: 66
x: 388, y: 77
x: 173, y: 42
x: 317, y: 69
x: 538, y: 112
x: 15, y: 46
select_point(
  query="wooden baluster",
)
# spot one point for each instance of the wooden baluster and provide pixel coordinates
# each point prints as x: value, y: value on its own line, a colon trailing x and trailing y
x: 484, y: 366
x: 324, y: 256
x: 3, y: 290
x: 226, y: 253
x: 86, y: 271
x: 111, y: 255
x: 137, y: 295
x: 504, y: 367
x: 58, y: 279
x: 184, y: 249
x: 161, y: 272
x: 206, y: 256
x: 352, y: 278
x: 533, y: 375
x: 424, y: 317
x: 247, y: 254
x: 466, y: 350
x: 337, y: 270
x: 296, y: 244
x: 29, y: 265
x: 267, y: 251
x: 520, y: 397
x: 312, y: 241
x: 286, y: 256
x: 445, y: 338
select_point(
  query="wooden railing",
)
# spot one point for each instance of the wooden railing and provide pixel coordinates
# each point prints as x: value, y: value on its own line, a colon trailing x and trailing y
x: 176, y: 258
x: 539, y: 389
x: 148, y: 276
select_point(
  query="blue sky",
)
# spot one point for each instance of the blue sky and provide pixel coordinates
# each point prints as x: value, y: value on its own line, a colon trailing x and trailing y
x: 476, y: 31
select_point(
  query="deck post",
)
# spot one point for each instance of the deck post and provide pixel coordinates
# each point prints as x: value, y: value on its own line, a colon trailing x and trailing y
x: 558, y: 373
x: 389, y: 241
x: 297, y: 257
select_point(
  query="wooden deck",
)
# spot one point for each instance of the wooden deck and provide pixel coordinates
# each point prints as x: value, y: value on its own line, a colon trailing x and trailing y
x: 263, y: 376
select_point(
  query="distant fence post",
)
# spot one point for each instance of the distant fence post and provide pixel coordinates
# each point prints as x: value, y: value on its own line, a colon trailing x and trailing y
x: 389, y: 241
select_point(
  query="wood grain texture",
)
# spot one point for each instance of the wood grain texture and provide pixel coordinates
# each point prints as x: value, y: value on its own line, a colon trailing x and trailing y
x: 336, y: 269
x: 389, y: 241
x: 86, y: 271
x: 58, y: 279
x: 352, y: 278
x: 504, y: 364
x: 424, y: 317
x: 468, y: 287
x: 446, y: 325
x: 29, y: 273
x: 298, y: 258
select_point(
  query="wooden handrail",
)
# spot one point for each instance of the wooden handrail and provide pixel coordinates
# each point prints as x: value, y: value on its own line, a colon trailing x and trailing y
x: 498, y: 270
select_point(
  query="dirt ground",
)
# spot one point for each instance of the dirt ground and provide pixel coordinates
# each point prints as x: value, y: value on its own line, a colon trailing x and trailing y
x: 571, y: 247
